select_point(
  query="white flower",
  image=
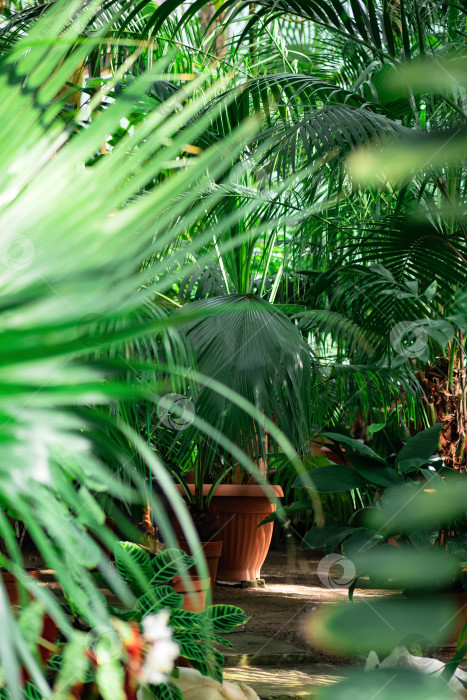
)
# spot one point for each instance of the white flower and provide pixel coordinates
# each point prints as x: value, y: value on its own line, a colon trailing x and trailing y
x: 160, y: 658
x: 156, y: 627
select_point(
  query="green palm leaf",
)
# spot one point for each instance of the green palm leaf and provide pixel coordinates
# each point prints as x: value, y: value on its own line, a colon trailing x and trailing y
x: 257, y: 352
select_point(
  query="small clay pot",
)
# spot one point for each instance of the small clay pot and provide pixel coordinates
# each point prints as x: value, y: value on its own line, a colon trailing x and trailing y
x: 11, y: 584
x: 49, y: 628
x: 196, y: 601
x: 211, y: 550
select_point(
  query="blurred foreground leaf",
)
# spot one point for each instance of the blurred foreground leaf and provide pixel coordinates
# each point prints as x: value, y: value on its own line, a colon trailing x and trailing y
x: 380, y: 624
x: 400, y: 160
x: 398, y: 567
x: 389, y: 684
x: 420, y: 505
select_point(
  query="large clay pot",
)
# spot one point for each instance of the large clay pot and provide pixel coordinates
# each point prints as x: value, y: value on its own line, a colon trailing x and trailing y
x: 212, y: 552
x: 240, y: 508
x: 196, y: 601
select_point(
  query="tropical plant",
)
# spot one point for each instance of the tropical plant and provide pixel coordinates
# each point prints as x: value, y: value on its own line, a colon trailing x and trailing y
x: 360, y: 78
x: 123, y: 159
x: 409, y: 535
x: 364, y: 468
x: 196, y: 633
x: 359, y: 471
x: 78, y: 230
x: 314, y: 245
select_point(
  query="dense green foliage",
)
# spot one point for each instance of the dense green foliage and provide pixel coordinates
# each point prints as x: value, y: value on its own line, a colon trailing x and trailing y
x: 292, y: 176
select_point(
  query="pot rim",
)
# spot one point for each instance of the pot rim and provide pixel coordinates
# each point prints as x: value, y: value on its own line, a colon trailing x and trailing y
x: 30, y: 570
x: 198, y: 583
x: 236, y: 490
x: 205, y: 544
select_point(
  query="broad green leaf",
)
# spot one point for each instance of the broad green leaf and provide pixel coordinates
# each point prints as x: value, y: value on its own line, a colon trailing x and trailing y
x: 191, y: 646
x: 168, y: 564
x: 418, y: 505
x: 189, y: 619
x: 329, y: 536
x: 423, y: 537
x: 286, y: 512
x: 356, y: 445
x: 374, y: 472
x: 361, y: 541
x: 458, y: 545
x: 406, y: 567
x: 211, y: 666
x: 165, y: 691
x: 430, y: 291
x: 360, y: 518
x: 225, y: 618
x: 32, y: 692
x: 222, y: 640
x: 134, y: 565
x: 422, y: 445
x: 384, y: 272
x: 412, y: 464
x: 158, y: 598
x: 388, y: 684
x: 375, y: 428
x: 332, y: 479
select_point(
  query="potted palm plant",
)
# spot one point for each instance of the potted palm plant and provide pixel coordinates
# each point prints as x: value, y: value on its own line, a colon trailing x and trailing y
x: 254, y: 350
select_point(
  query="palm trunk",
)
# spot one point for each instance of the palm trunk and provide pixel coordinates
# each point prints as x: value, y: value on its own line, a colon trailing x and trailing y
x: 444, y: 386
x: 206, y: 14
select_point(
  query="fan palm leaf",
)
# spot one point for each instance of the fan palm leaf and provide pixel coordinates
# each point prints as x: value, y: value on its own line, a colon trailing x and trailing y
x: 255, y: 350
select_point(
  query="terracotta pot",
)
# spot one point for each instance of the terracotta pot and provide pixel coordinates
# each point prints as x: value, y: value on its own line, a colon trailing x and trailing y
x: 240, y: 508
x: 49, y: 628
x: 196, y: 601
x: 211, y: 550
x: 11, y: 584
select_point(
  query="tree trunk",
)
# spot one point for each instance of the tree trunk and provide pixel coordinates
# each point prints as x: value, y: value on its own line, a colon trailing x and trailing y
x: 206, y: 14
x: 444, y: 386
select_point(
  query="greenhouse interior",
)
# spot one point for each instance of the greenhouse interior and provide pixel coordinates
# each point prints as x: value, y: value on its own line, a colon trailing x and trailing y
x: 233, y: 389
